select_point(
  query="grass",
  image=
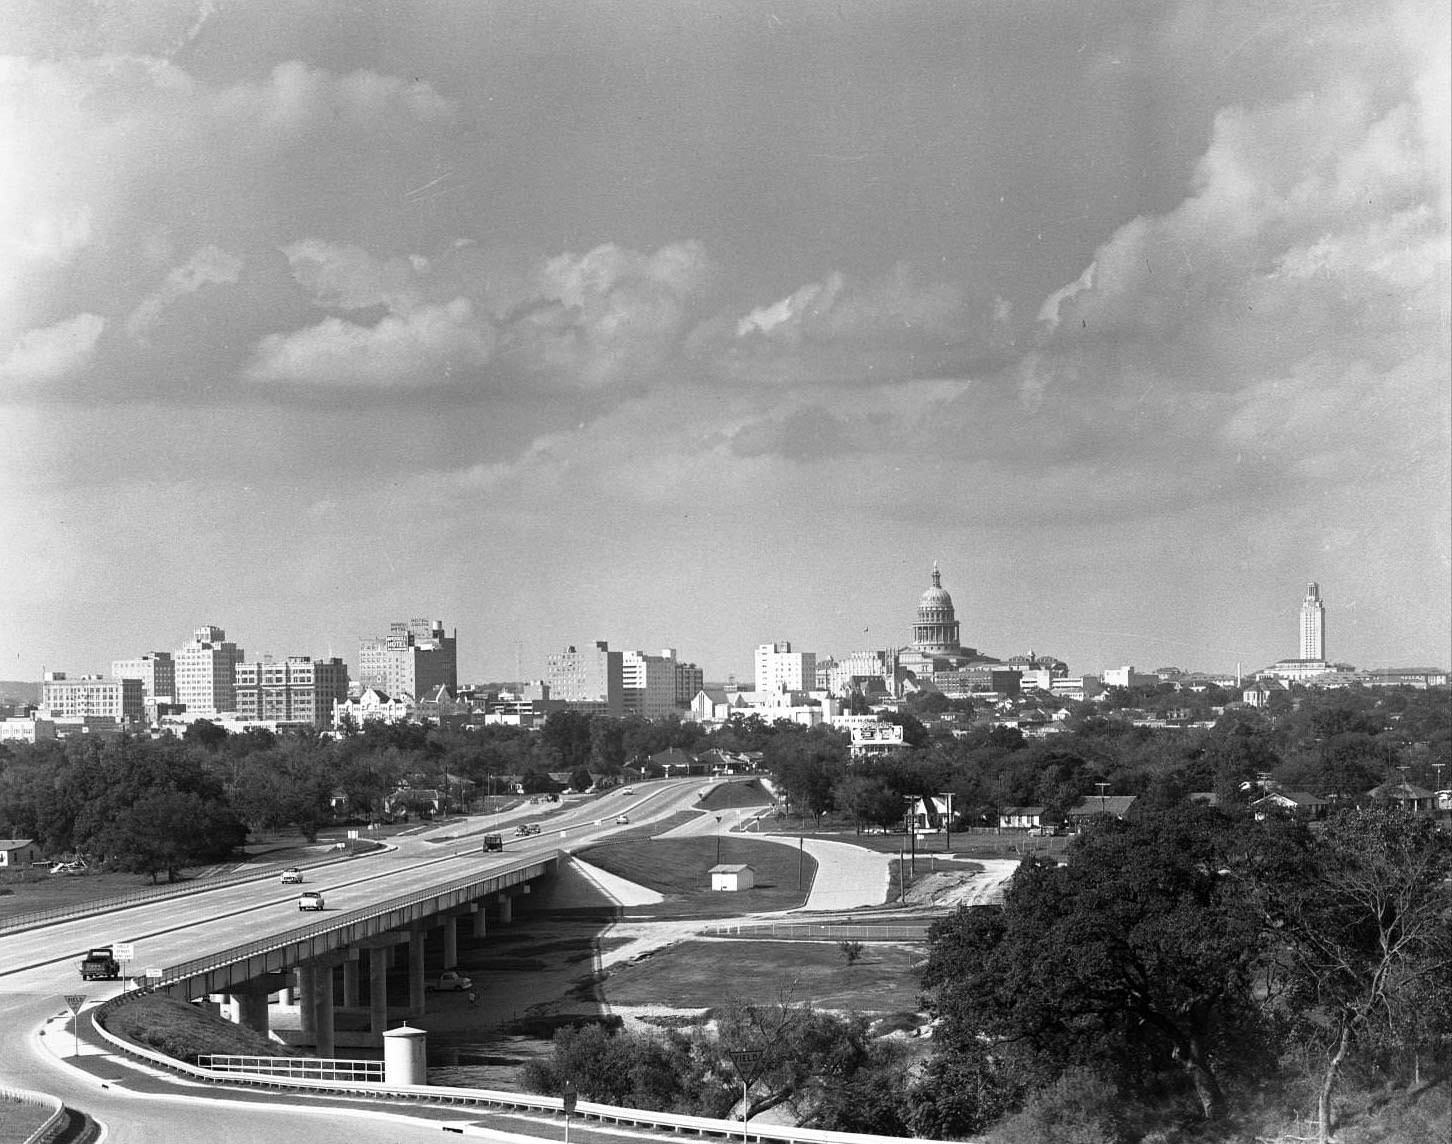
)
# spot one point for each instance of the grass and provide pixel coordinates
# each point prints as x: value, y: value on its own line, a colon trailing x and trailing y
x: 708, y: 974
x: 19, y: 1119
x: 184, y: 1031
x: 976, y: 843
x: 731, y: 796
x: 678, y: 868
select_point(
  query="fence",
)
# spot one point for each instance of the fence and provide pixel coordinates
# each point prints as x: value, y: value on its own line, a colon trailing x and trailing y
x: 442, y: 1096
x: 302, y: 1068
x: 807, y: 931
x: 56, y: 1120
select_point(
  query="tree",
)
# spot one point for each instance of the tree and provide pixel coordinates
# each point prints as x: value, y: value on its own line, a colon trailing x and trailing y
x: 1136, y: 956
x: 1363, y: 951
x: 166, y: 830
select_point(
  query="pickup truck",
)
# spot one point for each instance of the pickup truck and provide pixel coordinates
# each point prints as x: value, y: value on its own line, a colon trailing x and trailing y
x: 100, y: 964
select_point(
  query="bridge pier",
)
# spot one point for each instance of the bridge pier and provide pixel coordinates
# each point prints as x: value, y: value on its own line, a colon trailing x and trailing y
x: 378, y: 988
x: 506, y: 911
x: 350, y: 980
x: 416, y: 982
x: 451, y: 942
x: 481, y: 919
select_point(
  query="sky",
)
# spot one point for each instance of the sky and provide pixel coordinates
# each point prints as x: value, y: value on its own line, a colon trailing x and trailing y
x: 711, y: 324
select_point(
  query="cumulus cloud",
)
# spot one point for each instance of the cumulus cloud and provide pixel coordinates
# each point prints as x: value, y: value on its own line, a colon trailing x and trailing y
x: 209, y: 266
x: 611, y: 316
x: 53, y: 352
x: 427, y: 346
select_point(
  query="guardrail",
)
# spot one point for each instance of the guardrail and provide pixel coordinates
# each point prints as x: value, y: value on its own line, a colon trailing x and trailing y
x: 54, y: 1124
x: 441, y: 1095
x: 198, y: 965
x: 306, y: 1068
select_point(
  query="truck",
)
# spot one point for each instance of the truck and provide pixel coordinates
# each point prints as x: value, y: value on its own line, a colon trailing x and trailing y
x: 493, y: 842
x: 100, y: 964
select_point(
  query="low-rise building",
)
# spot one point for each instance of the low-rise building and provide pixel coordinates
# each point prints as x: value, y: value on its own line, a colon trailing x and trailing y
x: 91, y: 697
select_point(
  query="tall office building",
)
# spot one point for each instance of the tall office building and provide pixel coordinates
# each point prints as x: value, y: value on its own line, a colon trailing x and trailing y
x: 90, y: 697
x: 298, y: 690
x: 651, y: 683
x: 206, y: 672
x: 1313, y: 624
x: 779, y: 669
x: 156, y: 670
x: 414, y: 658
x: 591, y: 679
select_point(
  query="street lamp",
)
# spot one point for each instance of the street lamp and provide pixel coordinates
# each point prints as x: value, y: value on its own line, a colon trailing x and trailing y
x: 718, y: 840
x: 567, y: 1102
x: 746, y: 1062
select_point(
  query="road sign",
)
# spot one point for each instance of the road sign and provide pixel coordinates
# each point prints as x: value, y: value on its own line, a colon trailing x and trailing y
x: 153, y: 973
x: 74, y: 1001
x: 123, y: 950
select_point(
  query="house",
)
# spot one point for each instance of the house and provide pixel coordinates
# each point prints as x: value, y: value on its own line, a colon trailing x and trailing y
x: 1276, y: 801
x: 731, y: 877
x: 1081, y: 812
x: 1020, y: 817
x: 1411, y: 797
x: 930, y: 814
x: 674, y: 761
x: 18, y: 852
x: 719, y: 762
x: 372, y: 705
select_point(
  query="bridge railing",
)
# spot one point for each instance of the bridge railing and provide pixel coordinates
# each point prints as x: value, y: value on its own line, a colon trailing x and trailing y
x: 820, y: 931
x: 53, y: 1113
x: 304, y: 1068
x: 444, y: 1096
x: 197, y: 965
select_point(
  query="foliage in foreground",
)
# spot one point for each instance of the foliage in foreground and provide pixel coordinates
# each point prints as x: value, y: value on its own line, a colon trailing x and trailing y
x: 1190, y: 959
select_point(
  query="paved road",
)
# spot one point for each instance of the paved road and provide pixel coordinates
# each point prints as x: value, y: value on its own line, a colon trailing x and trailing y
x: 38, y: 968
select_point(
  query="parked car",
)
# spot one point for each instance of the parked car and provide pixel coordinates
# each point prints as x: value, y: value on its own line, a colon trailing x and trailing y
x: 291, y: 876
x: 622, y: 820
x: 310, y: 900
x: 448, y: 981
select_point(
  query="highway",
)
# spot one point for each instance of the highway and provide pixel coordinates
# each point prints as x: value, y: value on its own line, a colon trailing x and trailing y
x: 38, y: 968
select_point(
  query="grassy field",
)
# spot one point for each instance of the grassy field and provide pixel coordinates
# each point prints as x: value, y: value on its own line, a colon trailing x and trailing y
x: 679, y: 869
x: 731, y: 796
x: 709, y: 974
x: 19, y: 1119
x: 184, y: 1031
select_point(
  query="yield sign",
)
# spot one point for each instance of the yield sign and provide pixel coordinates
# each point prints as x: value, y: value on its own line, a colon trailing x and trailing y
x: 74, y: 1001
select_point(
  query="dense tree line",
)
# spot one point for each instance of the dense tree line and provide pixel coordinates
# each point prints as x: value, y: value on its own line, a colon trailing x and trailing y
x: 1201, y: 956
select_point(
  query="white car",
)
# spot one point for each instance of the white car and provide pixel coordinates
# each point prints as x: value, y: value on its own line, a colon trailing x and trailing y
x: 622, y: 820
x: 449, y: 980
x: 310, y: 900
x: 291, y: 876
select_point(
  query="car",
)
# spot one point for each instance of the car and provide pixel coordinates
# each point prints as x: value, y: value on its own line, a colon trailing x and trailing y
x: 291, y: 876
x: 627, y: 790
x: 622, y: 820
x: 310, y: 900
x: 448, y: 981
x: 533, y: 828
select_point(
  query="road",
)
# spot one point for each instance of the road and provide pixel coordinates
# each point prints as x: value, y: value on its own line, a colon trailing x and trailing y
x: 38, y: 968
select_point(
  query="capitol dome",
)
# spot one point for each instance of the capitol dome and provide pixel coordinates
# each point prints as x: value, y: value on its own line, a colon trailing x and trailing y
x: 936, y: 630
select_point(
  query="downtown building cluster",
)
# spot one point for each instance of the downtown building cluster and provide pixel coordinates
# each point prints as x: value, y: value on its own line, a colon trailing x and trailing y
x: 411, y: 673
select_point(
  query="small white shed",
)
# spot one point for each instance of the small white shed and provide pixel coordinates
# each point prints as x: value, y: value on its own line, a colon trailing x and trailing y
x: 730, y: 877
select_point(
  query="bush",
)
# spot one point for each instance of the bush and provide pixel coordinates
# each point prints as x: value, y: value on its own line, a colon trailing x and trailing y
x: 851, y: 950
x: 1080, y: 1107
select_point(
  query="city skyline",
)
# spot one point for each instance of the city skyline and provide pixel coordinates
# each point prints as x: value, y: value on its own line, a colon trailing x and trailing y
x: 714, y: 326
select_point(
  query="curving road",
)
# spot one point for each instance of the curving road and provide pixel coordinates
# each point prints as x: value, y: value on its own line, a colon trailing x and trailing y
x: 38, y: 969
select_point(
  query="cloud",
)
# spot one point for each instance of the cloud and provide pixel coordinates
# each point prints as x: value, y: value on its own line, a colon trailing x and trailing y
x: 209, y: 266
x: 429, y: 345
x: 610, y: 317
x: 53, y: 352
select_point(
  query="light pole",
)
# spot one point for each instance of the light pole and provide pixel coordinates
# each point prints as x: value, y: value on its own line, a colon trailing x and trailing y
x: 718, y: 840
x: 567, y: 1102
x: 746, y: 1062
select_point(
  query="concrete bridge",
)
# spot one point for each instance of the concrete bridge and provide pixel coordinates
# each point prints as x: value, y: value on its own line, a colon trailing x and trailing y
x: 307, y: 961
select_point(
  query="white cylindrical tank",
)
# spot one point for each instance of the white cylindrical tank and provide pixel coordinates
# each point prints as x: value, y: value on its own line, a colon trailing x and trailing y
x: 405, y: 1056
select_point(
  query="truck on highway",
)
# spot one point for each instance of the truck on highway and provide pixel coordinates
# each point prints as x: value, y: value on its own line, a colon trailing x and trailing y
x: 493, y: 842
x: 100, y: 964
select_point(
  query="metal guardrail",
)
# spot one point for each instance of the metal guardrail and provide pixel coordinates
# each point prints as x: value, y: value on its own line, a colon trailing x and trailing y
x: 198, y: 965
x: 441, y: 1095
x: 305, y: 1068
x: 54, y: 1124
